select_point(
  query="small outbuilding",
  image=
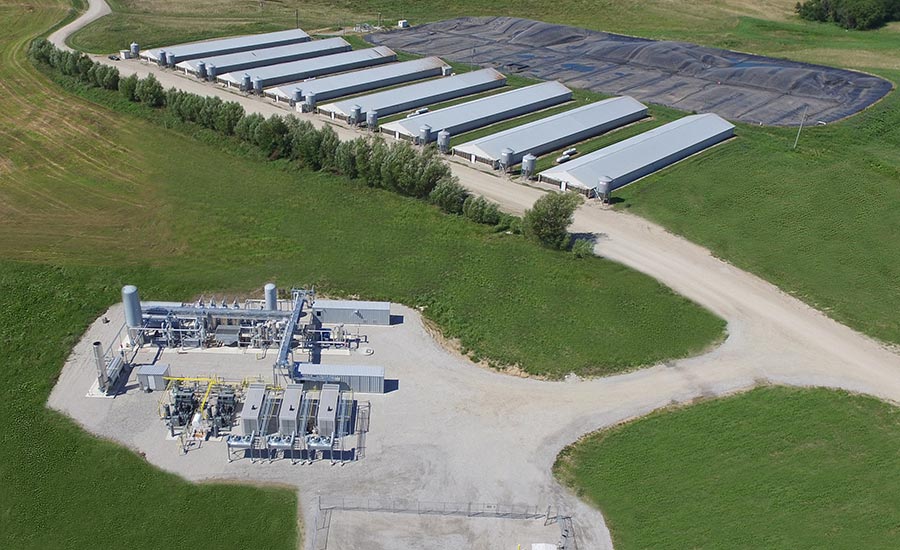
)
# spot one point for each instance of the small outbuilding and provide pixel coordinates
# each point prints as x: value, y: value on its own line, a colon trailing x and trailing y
x: 352, y: 312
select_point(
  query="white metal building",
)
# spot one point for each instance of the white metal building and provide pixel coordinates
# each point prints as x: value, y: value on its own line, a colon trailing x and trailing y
x: 554, y: 132
x: 631, y: 159
x: 358, y: 378
x: 222, y: 46
x: 352, y: 312
x: 363, y: 80
x: 267, y: 56
x: 401, y: 99
x: 478, y: 113
x: 273, y: 75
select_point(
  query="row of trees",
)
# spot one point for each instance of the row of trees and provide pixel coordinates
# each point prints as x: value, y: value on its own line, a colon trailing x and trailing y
x: 851, y: 14
x: 398, y: 167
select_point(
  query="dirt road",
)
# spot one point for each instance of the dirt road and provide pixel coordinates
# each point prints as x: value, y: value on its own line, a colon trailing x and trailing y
x: 773, y: 337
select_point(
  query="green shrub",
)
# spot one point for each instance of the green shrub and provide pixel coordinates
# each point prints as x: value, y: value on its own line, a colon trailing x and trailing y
x: 449, y: 195
x: 128, y: 86
x: 583, y: 248
x: 150, y: 92
x: 850, y: 14
x: 547, y: 222
x: 480, y: 210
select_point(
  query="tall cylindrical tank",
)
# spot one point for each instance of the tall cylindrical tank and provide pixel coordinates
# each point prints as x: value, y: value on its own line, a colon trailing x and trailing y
x: 443, y: 142
x: 100, y: 362
x: 355, y: 114
x: 246, y: 83
x: 424, y: 134
x: 604, y: 186
x: 171, y: 60
x: 161, y: 60
x: 271, y: 293
x: 372, y: 119
x: 201, y: 69
x: 506, y: 156
x: 296, y: 96
x: 211, y: 72
x: 135, y: 50
x: 131, y: 301
x: 310, y: 102
x: 528, y: 163
x: 257, y: 85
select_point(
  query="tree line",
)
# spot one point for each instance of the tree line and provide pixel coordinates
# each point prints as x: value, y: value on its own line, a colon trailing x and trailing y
x: 851, y: 14
x: 399, y: 167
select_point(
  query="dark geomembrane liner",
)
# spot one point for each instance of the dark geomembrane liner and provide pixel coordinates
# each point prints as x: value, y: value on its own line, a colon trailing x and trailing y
x: 736, y: 86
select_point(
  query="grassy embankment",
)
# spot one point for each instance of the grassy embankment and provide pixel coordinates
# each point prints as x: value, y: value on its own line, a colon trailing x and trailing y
x: 773, y: 468
x: 819, y: 221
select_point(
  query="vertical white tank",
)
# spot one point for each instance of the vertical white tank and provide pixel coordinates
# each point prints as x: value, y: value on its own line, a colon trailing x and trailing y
x: 310, y: 105
x: 372, y: 119
x: 131, y: 301
x: 355, y: 115
x: 296, y: 96
x: 271, y: 293
x: 506, y: 156
x: 100, y: 362
x: 211, y: 72
x: 528, y: 163
x: 171, y: 60
x: 443, y: 142
x: 424, y: 134
x: 257, y: 85
x: 604, y: 186
x: 246, y: 83
x: 201, y: 69
x: 161, y: 61
x: 135, y: 50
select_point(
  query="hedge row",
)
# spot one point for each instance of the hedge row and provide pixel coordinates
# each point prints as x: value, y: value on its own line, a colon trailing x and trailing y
x: 851, y: 14
x: 398, y: 167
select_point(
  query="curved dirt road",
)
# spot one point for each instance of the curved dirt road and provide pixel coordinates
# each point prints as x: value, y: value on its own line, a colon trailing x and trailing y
x: 773, y: 337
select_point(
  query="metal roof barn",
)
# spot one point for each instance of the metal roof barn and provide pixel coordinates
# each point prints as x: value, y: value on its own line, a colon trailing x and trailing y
x: 307, y: 68
x: 223, y: 46
x: 404, y: 98
x: 631, y: 159
x: 363, y: 80
x: 359, y: 378
x: 554, y: 132
x: 481, y: 112
x: 266, y: 56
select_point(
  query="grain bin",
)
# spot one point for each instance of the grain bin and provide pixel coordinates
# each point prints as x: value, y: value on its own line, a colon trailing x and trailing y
x: 424, y: 134
x: 246, y: 83
x: 211, y: 73
x: 528, y: 164
x: 372, y: 120
x: 355, y: 115
x: 201, y: 69
x: 443, y: 142
x: 135, y: 50
x: 310, y: 103
x: 506, y: 159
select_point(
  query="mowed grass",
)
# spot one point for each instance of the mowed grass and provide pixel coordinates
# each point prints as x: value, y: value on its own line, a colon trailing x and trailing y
x: 774, y: 468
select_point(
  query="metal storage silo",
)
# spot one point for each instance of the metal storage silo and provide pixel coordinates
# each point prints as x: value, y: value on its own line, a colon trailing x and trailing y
x: 211, y: 73
x: 310, y: 104
x: 257, y: 85
x: 201, y: 69
x: 271, y: 292
x: 296, y: 96
x: 528, y: 163
x: 355, y: 115
x: 372, y: 120
x: 604, y: 186
x: 131, y: 301
x: 506, y: 156
x: 424, y: 134
x: 171, y: 60
x: 135, y: 50
x: 443, y: 142
x: 246, y: 83
x: 161, y: 60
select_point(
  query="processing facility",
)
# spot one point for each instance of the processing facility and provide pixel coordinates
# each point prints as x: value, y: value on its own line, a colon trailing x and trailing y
x: 204, y: 358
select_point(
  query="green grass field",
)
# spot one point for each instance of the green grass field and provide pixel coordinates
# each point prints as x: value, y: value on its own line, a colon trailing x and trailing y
x: 773, y: 468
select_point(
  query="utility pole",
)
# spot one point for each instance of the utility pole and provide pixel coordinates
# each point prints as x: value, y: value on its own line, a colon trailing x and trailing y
x: 297, y: 17
x: 802, y: 120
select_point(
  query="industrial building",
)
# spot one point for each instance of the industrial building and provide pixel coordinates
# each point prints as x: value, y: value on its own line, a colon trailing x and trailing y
x: 352, y: 312
x: 401, y: 99
x: 506, y: 149
x: 273, y: 75
x: 468, y: 116
x: 171, y: 55
x: 210, y: 66
x: 612, y: 167
x: 360, y: 81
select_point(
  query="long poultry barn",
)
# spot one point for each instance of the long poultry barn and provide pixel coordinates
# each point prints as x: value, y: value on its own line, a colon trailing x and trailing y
x: 273, y: 75
x: 631, y: 159
x: 475, y: 114
x: 404, y: 98
x: 171, y: 55
x: 549, y: 134
x: 355, y: 82
x: 220, y: 64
